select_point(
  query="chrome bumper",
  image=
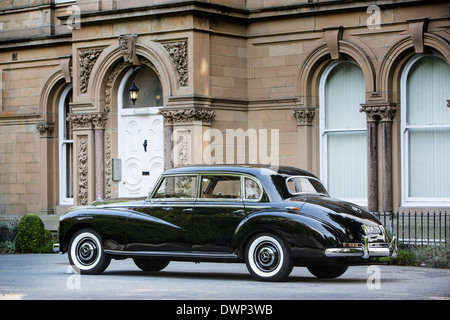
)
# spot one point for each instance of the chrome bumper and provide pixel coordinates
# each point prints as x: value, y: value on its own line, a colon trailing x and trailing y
x: 365, y: 251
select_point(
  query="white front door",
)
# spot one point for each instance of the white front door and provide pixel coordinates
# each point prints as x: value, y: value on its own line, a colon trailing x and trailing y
x: 140, y: 135
x: 141, y: 148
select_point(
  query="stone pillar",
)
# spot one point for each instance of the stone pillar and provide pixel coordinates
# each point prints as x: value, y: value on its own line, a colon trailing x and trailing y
x: 376, y: 112
x: 88, y: 136
x: 387, y: 114
x: 184, y: 128
x: 304, y: 118
x: 99, y: 121
x: 47, y: 149
x: 372, y: 157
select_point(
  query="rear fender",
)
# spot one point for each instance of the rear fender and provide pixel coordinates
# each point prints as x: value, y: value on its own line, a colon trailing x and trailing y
x: 299, y: 231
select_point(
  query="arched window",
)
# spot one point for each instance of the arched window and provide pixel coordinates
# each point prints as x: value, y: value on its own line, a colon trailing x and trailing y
x: 343, y: 132
x: 65, y: 149
x: 425, y: 125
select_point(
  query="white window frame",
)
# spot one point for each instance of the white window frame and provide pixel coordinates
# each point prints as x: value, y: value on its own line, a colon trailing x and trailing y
x: 63, y: 199
x: 408, y: 201
x: 324, y: 132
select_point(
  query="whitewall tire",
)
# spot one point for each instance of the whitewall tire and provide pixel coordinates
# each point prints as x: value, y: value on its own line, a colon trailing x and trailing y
x: 268, y: 258
x: 86, y: 254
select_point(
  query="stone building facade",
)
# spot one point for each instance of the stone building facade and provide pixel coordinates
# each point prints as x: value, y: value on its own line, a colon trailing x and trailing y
x: 355, y: 91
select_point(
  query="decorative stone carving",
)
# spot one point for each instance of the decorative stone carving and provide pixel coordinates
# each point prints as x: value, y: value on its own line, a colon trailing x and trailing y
x: 45, y: 129
x: 178, y: 52
x: 88, y: 120
x: 83, y: 172
x: 332, y: 37
x: 88, y: 58
x: 108, y: 167
x: 304, y: 116
x: 382, y: 112
x: 111, y: 78
x: 180, y: 116
x: 128, y: 49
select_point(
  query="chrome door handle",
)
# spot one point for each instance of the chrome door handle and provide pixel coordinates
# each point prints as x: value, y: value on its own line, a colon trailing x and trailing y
x: 188, y: 210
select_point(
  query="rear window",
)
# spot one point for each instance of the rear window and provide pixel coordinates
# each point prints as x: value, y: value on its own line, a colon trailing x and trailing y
x: 305, y: 185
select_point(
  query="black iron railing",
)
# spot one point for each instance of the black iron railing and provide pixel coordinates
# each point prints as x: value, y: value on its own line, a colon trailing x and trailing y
x: 418, y: 227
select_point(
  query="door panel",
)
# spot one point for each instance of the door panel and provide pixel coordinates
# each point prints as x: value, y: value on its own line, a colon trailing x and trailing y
x: 141, y: 148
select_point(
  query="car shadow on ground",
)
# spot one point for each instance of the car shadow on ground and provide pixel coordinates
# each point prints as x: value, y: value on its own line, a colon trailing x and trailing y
x: 232, y: 276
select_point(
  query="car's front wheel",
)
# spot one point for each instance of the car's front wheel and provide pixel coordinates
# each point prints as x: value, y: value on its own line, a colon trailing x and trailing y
x: 268, y: 258
x: 86, y: 254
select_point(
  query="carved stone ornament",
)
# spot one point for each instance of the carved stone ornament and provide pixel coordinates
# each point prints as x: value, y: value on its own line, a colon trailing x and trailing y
x: 88, y: 120
x: 83, y: 172
x: 88, y: 58
x: 128, y: 48
x: 382, y: 112
x: 178, y: 52
x: 45, y: 129
x: 304, y: 116
x: 181, y: 116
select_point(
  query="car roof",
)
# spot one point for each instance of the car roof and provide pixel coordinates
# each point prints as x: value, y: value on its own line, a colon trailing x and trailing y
x: 252, y: 169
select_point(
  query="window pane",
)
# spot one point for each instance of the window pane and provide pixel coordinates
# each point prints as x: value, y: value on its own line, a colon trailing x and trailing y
x: 252, y: 189
x: 177, y: 187
x: 69, y: 170
x: 150, y: 89
x: 428, y: 91
x: 224, y: 187
x: 344, y: 92
x: 347, y: 164
x: 429, y: 164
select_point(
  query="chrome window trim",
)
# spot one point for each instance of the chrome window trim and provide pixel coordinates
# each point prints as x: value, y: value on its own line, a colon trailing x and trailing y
x: 306, y: 177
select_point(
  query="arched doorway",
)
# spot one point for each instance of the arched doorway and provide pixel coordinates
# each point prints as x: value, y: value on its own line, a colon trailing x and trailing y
x: 140, y: 132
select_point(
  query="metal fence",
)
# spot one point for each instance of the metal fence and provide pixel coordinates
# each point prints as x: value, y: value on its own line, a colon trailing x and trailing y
x: 418, y: 227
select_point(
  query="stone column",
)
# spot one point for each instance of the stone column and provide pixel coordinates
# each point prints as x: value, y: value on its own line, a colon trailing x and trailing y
x: 376, y: 112
x: 304, y: 118
x: 387, y: 114
x: 99, y: 121
x: 185, y: 127
x: 372, y: 157
x: 48, y: 196
x: 168, y: 143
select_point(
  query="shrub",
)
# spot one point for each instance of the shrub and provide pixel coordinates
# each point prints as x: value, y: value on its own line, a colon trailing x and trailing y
x: 31, y: 235
x: 433, y: 256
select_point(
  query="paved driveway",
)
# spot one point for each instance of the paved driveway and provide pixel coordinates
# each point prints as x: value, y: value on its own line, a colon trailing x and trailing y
x: 49, y: 276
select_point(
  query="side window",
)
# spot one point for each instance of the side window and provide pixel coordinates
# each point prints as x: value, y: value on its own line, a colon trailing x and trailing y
x: 252, y: 189
x: 221, y: 187
x: 176, y: 187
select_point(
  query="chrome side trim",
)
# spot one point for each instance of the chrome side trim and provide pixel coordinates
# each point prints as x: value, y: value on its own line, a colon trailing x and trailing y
x: 189, y: 255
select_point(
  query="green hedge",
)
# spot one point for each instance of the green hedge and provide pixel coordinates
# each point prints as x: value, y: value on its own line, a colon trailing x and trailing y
x: 32, y: 237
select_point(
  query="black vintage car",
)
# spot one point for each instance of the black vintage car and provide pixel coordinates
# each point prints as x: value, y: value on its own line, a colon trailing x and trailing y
x: 271, y: 219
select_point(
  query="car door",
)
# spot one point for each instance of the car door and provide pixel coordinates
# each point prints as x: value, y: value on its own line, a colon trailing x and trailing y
x: 165, y: 222
x: 218, y: 211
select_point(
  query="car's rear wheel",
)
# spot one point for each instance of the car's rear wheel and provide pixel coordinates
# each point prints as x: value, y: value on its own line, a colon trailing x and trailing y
x: 327, y: 272
x: 86, y: 254
x: 268, y: 258
x: 150, y: 265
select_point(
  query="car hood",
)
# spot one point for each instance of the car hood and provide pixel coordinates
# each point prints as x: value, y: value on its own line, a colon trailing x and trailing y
x: 118, y: 203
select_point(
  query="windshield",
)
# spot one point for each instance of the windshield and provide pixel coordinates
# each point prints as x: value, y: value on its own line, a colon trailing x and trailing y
x: 305, y: 185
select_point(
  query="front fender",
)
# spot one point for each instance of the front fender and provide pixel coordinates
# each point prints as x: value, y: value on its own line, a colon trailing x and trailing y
x: 300, y: 232
x: 111, y: 224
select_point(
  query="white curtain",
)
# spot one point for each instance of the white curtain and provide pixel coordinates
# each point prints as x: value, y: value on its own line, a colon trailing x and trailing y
x: 344, y: 133
x: 427, y: 130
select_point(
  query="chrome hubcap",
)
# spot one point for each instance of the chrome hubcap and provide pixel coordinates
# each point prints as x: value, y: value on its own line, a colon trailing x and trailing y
x: 87, y: 251
x: 266, y: 257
